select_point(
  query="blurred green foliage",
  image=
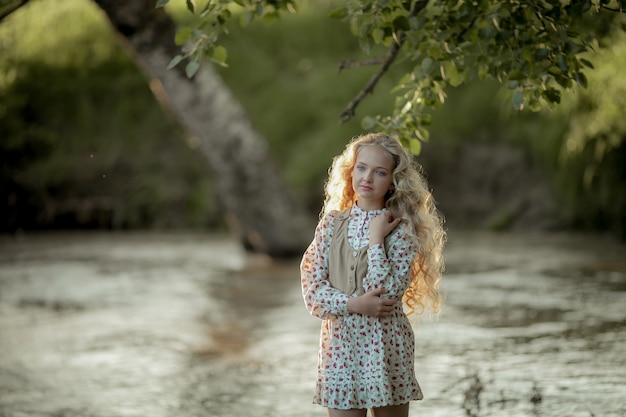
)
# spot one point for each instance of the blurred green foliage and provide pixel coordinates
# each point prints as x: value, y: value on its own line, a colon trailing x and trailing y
x: 78, y: 122
x: 84, y: 143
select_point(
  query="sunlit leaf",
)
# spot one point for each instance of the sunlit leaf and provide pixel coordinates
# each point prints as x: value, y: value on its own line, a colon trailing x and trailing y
x: 415, y: 146
x: 378, y: 34
x: 454, y: 77
x: 182, y: 35
x: 161, y: 3
x: 220, y: 53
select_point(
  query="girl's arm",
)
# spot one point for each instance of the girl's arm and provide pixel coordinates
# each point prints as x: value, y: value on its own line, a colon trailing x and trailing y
x: 390, y: 268
x: 321, y: 300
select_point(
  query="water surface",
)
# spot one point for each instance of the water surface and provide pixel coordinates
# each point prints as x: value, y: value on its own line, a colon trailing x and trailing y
x: 183, y: 324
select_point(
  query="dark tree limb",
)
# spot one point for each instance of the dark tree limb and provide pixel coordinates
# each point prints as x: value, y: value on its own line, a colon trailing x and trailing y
x: 358, y: 63
x: 349, y: 111
x: 259, y: 207
x: 8, y: 7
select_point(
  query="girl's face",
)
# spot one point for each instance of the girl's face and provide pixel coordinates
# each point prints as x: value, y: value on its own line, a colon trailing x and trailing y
x: 372, y: 176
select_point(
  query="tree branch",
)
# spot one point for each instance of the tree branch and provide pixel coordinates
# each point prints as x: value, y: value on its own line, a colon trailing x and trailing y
x: 391, y: 55
x: 611, y: 9
x: 357, y: 63
x: 10, y: 7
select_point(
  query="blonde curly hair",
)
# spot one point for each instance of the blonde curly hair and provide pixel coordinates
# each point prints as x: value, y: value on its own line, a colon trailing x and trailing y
x: 410, y: 200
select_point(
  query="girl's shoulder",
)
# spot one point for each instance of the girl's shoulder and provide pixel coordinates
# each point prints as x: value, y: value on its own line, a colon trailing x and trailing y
x: 335, y: 214
x: 326, y: 225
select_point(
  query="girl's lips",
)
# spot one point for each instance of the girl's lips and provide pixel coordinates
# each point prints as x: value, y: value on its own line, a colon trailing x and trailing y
x: 366, y: 188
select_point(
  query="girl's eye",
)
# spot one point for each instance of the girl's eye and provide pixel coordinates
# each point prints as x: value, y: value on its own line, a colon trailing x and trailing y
x: 380, y: 173
x: 360, y: 167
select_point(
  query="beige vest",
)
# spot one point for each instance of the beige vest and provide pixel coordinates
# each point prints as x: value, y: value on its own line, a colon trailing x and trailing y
x: 346, y: 266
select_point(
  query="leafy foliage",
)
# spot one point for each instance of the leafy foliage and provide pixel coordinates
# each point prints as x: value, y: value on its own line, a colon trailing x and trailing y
x: 532, y: 47
x: 203, y: 40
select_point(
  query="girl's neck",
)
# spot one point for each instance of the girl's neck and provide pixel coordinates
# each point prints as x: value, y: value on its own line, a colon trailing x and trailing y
x: 369, y: 205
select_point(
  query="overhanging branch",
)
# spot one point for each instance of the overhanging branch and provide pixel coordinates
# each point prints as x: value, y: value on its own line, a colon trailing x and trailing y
x: 358, y: 63
x: 9, y: 7
x: 391, y: 55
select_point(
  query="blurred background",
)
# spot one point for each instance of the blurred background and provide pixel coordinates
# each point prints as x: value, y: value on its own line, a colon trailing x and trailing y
x: 85, y: 144
x: 123, y: 292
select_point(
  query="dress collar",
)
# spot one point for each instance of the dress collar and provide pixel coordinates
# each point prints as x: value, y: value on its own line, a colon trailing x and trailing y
x: 358, y: 211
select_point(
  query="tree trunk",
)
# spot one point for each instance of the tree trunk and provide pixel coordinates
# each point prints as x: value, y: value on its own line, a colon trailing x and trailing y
x: 258, y: 205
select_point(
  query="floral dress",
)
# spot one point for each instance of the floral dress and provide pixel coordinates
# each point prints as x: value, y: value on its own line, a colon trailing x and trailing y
x: 363, y: 362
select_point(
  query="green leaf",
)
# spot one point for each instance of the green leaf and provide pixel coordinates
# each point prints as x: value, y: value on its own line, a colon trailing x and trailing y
x: 415, y: 145
x: 401, y: 23
x: 191, y: 6
x: 220, y: 54
x: 339, y: 13
x: 425, y: 120
x: 554, y: 70
x: 552, y: 95
x: 586, y: 63
x: 368, y: 123
x: 453, y: 76
x: 378, y: 35
x: 581, y: 79
x: 517, y: 75
x: 487, y: 33
x: 245, y: 18
x: 192, y: 68
x: 366, y: 44
x: 564, y: 82
x: 182, y: 35
x: 427, y: 64
x: 270, y: 17
x: 161, y: 3
x: 175, y: 61
x: 518, y: 100
x: 542, y: 53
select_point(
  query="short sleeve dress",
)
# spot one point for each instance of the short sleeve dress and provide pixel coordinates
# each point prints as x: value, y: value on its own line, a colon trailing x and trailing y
x: 363, y: 362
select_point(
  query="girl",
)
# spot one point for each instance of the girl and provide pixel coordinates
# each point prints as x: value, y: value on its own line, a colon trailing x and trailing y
x: 378, y: 242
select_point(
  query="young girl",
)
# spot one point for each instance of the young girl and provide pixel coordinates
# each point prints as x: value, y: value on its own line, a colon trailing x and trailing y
x: 378, y: 242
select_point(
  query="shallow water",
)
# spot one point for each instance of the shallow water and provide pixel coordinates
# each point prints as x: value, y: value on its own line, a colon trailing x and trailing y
x: 182, y: 324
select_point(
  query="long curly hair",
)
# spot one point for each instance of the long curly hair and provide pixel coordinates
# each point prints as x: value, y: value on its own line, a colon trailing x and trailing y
x: 410, y: 200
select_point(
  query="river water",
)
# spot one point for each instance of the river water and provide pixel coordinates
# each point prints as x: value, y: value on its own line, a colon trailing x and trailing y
x: 184, y: 324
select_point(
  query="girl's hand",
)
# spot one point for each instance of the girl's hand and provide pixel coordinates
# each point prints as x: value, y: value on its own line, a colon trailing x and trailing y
x: 381, y: 226
x: 370, y: 304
